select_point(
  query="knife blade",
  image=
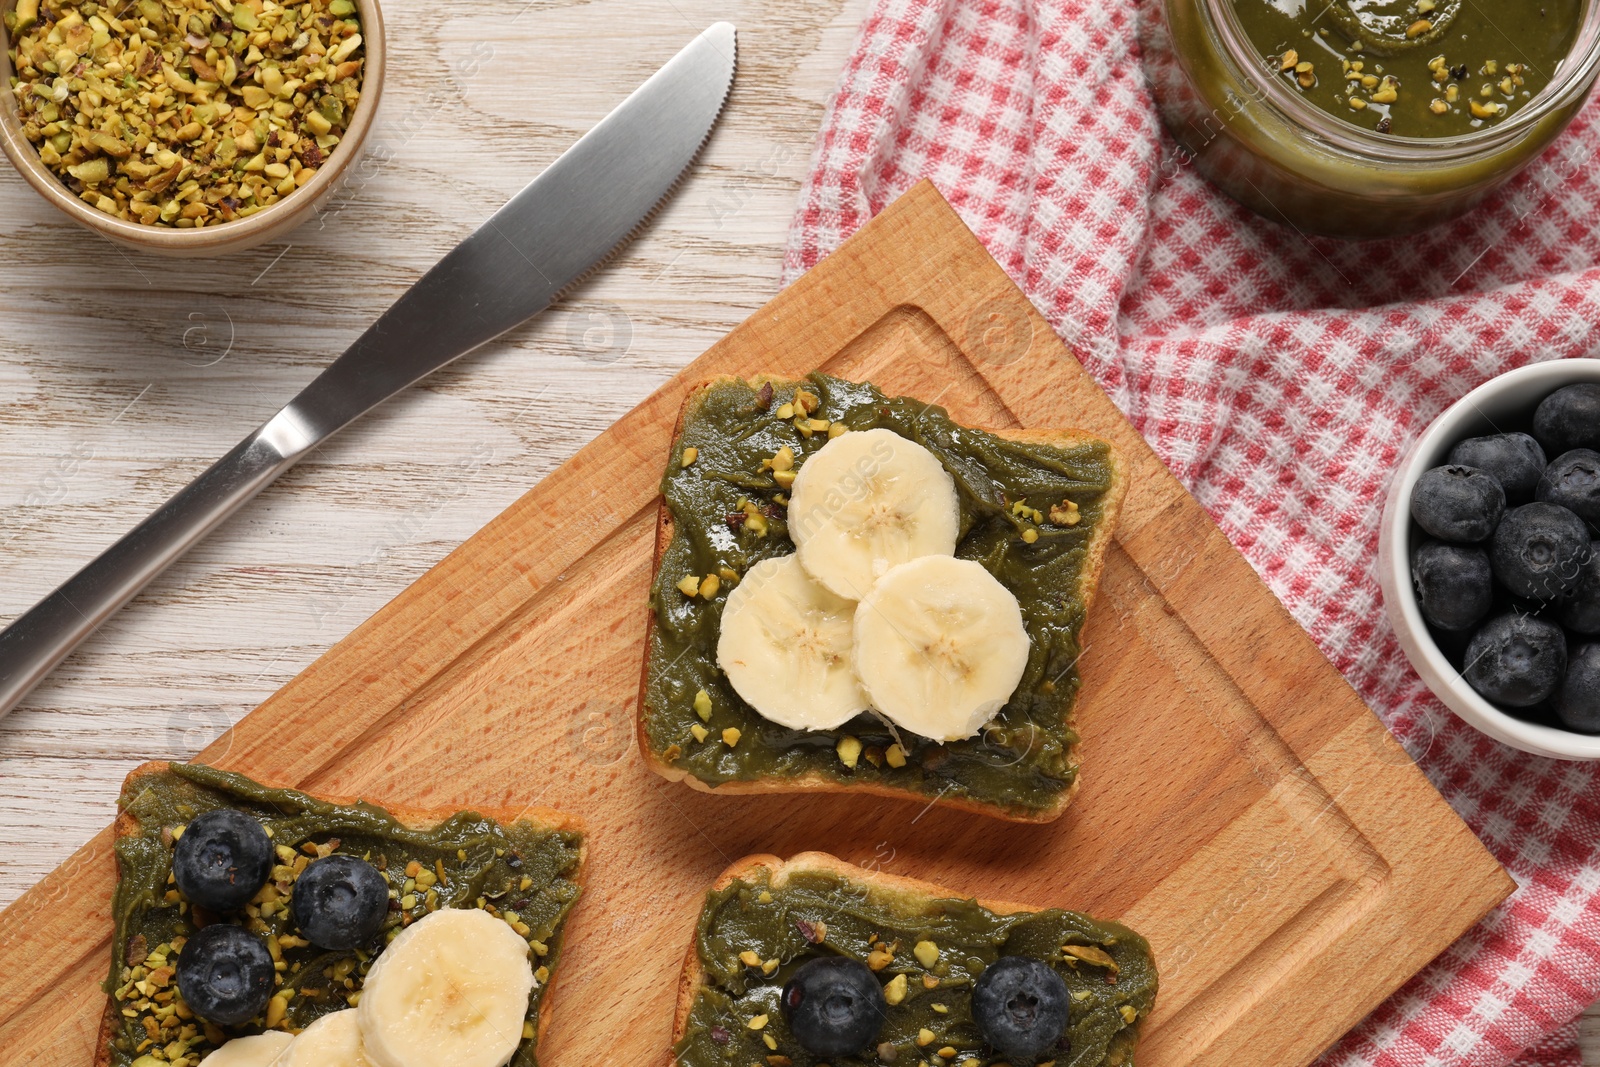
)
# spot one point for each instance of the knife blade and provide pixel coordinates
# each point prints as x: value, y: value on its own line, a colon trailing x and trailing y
x: 564, y: 224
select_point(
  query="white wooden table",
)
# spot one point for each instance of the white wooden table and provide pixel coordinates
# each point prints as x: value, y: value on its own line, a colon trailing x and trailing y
x: 122, y: 376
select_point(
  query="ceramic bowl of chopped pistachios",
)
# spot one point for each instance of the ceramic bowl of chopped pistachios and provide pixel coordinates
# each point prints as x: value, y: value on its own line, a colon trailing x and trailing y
x: 188, y: 127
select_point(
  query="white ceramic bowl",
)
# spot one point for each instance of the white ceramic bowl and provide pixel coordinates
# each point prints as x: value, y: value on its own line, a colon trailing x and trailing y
x: 1498, y: 404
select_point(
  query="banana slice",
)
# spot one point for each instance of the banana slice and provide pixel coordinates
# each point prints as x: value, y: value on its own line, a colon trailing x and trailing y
x: 259, y: 1050
x: 785, y: 647
x: 868, y: 501
x: 940, y: 646
x: 450, y: 991
x: 332, y: 1041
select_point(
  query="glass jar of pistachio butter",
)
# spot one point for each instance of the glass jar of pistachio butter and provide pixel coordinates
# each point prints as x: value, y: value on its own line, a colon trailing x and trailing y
x: 1367, y: 118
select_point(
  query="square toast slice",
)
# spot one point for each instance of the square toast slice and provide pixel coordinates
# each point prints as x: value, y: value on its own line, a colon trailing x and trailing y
x: 1024, y: 766
x: 822, y: 906
x: 144, y: 837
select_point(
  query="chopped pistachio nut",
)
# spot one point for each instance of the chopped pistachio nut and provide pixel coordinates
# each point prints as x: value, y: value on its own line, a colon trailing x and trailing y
x: 925, y: 1037
x: 728, y: 575
x: 948, y: 1052
x: 837, y: 429
x: 1091, y: 954
x: 690, y: 454
x: 895, y: 991
x: 758, y: 1023
x: 749, y: 958
x: 702, y: 705
x: 930, y: 981
x: 895, y: 756
x: 926, y: 952
x: 1065, y: 513
x: 754, y: 520
x: 690, y: 586
x: 849, y: 750
x: 709, y: 586
x: 1030, y: 535
x: 699, y: 732
x: 880, y: 957
x: 1129, y: 1013
x: 730, y: 737
x: 185, y: 113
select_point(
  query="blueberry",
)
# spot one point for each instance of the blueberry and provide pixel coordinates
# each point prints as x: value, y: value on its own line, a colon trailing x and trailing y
x: 1579, y: 610
x: 1573, y: 482
x: 1577, y: 702
x: 340, y: 902
x: 1020, y: 1006
x: 1458, y: 503
x: 225, y: 974
x: 1516, y: 660
x: 834, y: 1006
x: 222, y: 860
x: 1539, y: 550
x: 1515, y: 460
x: 1455, y: 587
x: 1568, y: 418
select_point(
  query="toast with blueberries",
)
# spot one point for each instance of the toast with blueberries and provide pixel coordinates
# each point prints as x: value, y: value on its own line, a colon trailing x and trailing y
x: 261, y: 926
x: 816, y: 961
x: 853, y: 592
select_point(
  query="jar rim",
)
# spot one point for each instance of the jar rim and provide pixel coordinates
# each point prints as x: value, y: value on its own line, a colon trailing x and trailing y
x: 1574, y: 76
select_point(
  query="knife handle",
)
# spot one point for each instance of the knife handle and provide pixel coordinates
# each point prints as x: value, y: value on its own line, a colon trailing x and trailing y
x: 43, y: 636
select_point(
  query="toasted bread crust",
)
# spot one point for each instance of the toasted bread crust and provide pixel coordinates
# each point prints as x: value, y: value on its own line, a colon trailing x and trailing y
x: 1088, y: 586
x: 906, y: 890
x: 128, y: 825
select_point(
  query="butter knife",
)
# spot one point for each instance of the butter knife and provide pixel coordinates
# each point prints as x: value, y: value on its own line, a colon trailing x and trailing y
x: 566, y: 222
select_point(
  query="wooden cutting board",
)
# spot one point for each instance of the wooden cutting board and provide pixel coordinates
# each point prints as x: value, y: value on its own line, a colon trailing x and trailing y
x: 1240, y: 805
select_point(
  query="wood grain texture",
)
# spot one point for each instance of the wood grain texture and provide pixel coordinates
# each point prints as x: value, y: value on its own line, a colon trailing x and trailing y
x: 122, y: 376
x: 1240, y: 806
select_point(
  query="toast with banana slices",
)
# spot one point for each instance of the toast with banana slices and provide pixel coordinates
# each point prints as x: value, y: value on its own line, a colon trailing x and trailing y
x: 909, y: 972
x: 258, y: 926
x: 853, y: 592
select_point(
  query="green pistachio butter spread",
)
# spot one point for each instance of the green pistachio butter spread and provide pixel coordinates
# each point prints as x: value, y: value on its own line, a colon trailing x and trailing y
x: 728, y: 514
x: 1109, y: 971
x: 519, y: 871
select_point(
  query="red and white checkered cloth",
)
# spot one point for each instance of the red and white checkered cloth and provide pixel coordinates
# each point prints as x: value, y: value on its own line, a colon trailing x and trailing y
x: 1281, y: 379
